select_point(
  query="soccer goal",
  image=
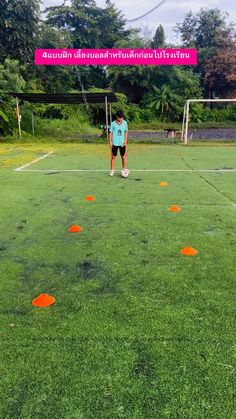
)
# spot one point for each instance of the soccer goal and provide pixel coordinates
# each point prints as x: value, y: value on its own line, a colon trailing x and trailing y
x: 185, y: 125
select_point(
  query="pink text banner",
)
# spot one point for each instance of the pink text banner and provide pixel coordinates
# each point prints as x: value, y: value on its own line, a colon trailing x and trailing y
x: 168, y: 56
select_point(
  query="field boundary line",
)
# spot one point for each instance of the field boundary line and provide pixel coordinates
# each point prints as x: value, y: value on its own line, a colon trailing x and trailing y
x: 218, y: 191
x: 107, y: 170
x: 19, y: 169
x: 209, y: 183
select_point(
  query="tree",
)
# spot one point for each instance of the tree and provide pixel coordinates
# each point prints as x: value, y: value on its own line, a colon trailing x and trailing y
x: 136, y: 81
x: 173, y: 86
x: 133, y: 81
x: 52, y: 79
x: 11, y: 80
x: 3, y: 116
x: 206, y: 29
x: 19, y: 24
x: 209, y: 32
x: 11, y: 77
x: 51, y: 37
x: 5, y: 127
x: 159, y: 38
x: 163, y: 100
x: 112, y: 25
x: 89, y: 26
x: 220, y: 71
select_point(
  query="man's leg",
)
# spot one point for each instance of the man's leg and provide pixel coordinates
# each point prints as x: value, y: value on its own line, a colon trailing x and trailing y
x: 123, y: 157
x: 123, y: 162
x: 113, y: 157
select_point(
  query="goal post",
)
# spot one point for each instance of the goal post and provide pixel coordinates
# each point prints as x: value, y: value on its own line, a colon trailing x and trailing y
x: 184, y: 134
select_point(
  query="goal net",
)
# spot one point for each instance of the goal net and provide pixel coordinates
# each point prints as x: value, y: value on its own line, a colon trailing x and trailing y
x: 214, y: 122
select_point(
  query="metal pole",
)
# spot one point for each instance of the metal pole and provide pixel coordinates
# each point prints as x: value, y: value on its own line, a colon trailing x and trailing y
x: 110, y: 114
x: 186, y: 124
x: 18, y: 115
x: 33, y: 130
x: 212, y: 100
x: 182, y: 132
x: 106, y: 115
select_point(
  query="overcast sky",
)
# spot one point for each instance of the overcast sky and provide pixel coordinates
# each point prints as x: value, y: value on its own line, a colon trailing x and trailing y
x: 169, y: 13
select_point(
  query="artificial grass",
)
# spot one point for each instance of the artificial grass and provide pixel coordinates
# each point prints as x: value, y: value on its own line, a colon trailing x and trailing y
x: 138, y: 330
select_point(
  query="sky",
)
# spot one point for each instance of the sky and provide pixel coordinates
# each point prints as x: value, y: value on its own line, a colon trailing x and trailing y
x: 168, y: 15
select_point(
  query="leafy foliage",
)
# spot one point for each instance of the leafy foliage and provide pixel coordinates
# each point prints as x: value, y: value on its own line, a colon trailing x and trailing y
x: 19, y: 28
x: 209, y: 32
x: 205, y: 29
x: 89, y: 26
x: 159, y: 38
x: 220, y: 71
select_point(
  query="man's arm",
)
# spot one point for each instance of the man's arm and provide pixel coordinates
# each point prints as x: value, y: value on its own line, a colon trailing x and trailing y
x: 110, y: 139
x: 126, y: 135
x: 126, y: 138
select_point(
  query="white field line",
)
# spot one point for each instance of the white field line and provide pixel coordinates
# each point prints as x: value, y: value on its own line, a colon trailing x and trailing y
x: 131, y: 170
x: 19, y: 169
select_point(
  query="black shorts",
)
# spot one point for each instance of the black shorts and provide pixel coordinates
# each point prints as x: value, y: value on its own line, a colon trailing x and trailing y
x: 115, y: 149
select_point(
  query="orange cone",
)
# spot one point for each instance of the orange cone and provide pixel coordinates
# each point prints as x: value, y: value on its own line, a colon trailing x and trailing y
x: 175, y: 208
x: 75, y: 229
x: 163, y: 184
x: 90, y: 198
x: 43, y: 300
x: 188, y: 251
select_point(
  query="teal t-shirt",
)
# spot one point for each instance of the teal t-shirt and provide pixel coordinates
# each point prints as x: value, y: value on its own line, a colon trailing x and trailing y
x: 118, y: 132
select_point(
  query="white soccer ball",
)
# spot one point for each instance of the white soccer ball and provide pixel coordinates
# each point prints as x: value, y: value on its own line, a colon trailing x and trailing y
x: 125, y: 173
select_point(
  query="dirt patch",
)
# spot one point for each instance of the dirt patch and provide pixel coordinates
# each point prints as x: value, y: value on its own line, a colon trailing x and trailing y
x: 89, y: 269
x: 45, y: 277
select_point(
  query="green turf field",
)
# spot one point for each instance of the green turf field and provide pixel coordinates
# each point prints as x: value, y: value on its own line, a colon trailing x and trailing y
x: 138, y: 330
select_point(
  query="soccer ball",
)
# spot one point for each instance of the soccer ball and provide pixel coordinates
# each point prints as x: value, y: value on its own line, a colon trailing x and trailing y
x: 124, y: 173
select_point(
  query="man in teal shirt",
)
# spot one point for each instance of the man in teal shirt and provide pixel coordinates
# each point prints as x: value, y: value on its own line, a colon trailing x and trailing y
x: 118, y: 140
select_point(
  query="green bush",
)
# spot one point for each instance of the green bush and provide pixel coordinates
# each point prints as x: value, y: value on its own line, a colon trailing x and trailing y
x: 225, y: 114
x: 202, y: 113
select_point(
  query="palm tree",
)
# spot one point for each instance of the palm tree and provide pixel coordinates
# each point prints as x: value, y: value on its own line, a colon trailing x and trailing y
x: 4, y: 122
x: 3, y: 116
x: 163, y: 99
